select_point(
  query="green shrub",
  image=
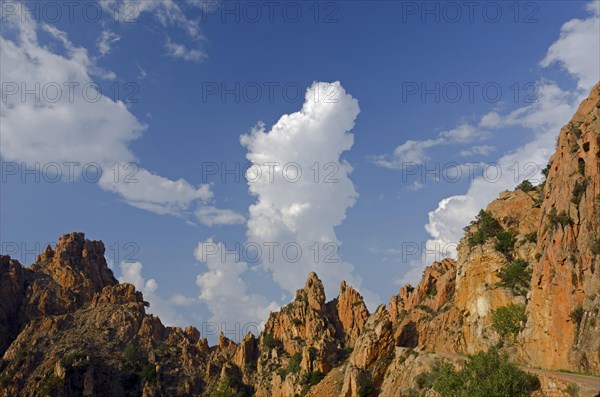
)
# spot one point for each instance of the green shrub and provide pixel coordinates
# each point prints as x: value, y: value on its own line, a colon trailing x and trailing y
x: 21, y: 355
x: 516, y: 275
x: 148, y: 373
x: 486, y: 226
x: 226, y: 389
x: 312, y: 353
x: 137, y: 360
x: 505, y: 243
x: 309, y: 379
x: 485, y: 375
x: 134, y: 355
x: 431, y: 291
x: 301, y: 297
x: 578, y: 191
x: 269, y: 341
x: 574, y: 128
x: 538, y: 256
x: 525, y: 186
x: 574, y: 147
x: 4, y: 381
x: 596, y: 246
x: 507, y: 320
x: 51, y: 386
x: 425, y: 380
x: 555, y: 218
x: 345, y: 353
x: 250, y: 366
x: 564, y: 219
x: 581, y: 167
x: 531, y: 237
x: 312, y: 378
x: 74, y: 359
x: 365, y: 385
x: 572, y: 390
x: 546, y: 170
x: 294, y: 363
x: 426, y: 309
x: 283, y: 372
x: 577, y: 315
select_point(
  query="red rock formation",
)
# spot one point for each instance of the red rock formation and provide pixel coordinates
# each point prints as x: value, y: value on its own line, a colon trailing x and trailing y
x: 567, y: 277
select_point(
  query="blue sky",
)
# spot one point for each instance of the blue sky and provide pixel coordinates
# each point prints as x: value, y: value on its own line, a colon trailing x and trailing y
x: 172, y: 54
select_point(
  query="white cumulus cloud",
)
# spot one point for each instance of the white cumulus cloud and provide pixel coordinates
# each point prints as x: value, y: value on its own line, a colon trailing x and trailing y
x: 224, y: 291
x: 305, y: 188
x: 70, y: 121
x: 131, y: 272
x: 577, y: 49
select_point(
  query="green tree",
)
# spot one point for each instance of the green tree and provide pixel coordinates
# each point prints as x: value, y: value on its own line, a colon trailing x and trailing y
x: 226, y: 389
x: 525, y: 186
x: 505, y: 243
x: 365, y: 385
x: 516, y: 275
x: 269, y: 341
x: 486, y: 227
x: 485, y: 375
x: 294, y: 364
x: 507, y: 320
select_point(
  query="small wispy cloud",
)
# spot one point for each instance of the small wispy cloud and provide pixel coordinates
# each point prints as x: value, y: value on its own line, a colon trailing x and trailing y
x: 415, y: 152
x: 211, y: 216
x: 105, y: 41
x: 180, y: 51
x: 481, y: 150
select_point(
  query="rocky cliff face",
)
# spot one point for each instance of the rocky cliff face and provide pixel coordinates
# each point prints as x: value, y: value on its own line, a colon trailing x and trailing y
x: 563, y: 309
x: 69, y: 329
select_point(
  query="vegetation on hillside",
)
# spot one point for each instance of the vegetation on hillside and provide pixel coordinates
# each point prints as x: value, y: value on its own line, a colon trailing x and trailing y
x: 486, y: 227
x: 485, y: 375
x: 516, y: 275
x: 509, y: 320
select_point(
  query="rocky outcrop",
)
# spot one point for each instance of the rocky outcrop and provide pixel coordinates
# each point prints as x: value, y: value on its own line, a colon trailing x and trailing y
x: 426, y: 315
x: 349, y: 313
x: 373, y: 352
x: 311, y: 330
x: 77, y: 265
x: 60, y: 281
x: 562, y: 330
